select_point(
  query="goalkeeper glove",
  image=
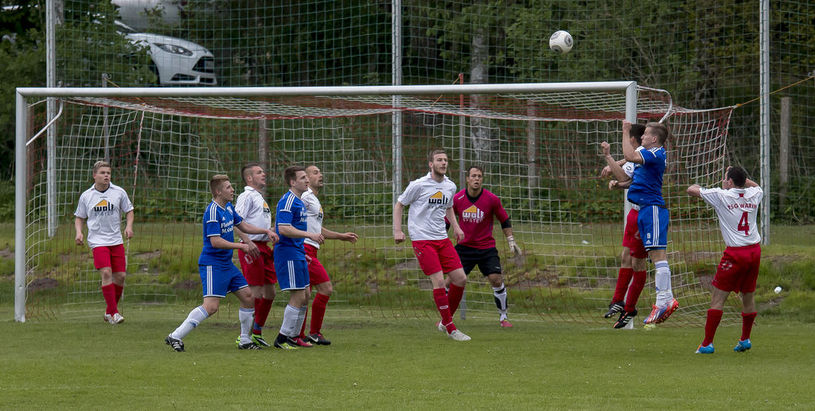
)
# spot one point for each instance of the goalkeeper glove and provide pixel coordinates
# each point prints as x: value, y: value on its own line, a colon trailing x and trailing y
x: 512, y: 246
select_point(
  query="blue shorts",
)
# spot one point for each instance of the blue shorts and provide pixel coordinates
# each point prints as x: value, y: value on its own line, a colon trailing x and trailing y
x: 291, y: 274
x: 653, y: 225
x: 218, y: 280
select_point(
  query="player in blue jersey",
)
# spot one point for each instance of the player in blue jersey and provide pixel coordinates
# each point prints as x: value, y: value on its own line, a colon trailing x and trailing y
x: 218, y: 275
x: 653, y: 219
x: 290, y: 257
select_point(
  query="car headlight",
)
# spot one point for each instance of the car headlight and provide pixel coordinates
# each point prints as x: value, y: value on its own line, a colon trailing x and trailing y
x: 172, y: 48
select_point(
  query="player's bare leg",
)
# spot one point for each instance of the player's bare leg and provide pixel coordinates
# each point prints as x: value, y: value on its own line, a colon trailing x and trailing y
x: 499, y: 293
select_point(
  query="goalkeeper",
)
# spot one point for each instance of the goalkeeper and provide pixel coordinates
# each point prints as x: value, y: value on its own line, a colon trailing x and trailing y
x: 475, y: 207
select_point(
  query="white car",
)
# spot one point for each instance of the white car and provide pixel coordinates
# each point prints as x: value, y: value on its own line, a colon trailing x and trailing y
x: 176, y: 62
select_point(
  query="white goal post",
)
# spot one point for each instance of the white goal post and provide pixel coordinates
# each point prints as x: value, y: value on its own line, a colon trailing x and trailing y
x: 529, y: 135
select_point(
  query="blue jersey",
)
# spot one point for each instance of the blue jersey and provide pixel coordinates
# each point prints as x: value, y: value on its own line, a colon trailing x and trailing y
x: 646, y: 184
x: 290, y: 211
x: 218, y: 221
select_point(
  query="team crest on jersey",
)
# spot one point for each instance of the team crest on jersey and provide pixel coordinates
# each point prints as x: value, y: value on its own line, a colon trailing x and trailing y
x: 438, y: 198
x: 266, y: 208
x: 103, y: 207
x: 472, y: 215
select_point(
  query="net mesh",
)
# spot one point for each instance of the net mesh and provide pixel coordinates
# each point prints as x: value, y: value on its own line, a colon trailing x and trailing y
x: 541, y: 157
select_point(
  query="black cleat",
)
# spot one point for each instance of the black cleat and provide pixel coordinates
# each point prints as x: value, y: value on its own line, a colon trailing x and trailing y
x: 285, y: 343
x: 258, y: 339
x: 317, y: 338
x: 625, y: 319
x: 249, y: 346
x: 177, y: 344
x: 614, y: 308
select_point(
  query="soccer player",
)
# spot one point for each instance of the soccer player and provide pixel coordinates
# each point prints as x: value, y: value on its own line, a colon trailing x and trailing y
x: 290, y: 257
x: 653, y: 219
x: 318, y: 276
x: 218, y: 275
x: 102, y: 206
x: 259, y: 272
x: 431, y: 199
x: 632, y: 273
x: 475, y: 207
x: 736, y: 205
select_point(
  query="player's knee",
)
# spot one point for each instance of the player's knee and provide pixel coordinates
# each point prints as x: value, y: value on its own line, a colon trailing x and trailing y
x: 119, y: 278
x: 106, y: 274
x: 210, y: 308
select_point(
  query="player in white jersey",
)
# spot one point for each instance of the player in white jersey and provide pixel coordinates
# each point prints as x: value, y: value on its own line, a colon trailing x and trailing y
x: 431, y: 200
x: 736, y: 205
x: 259, y: 272
x: 102, y: 206
x: 318, y: 276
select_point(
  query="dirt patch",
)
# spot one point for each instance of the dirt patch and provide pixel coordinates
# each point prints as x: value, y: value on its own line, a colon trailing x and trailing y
x: 43, y: 284
x: 6, y: 253
x: 188, y: 285
x: 148, y: 255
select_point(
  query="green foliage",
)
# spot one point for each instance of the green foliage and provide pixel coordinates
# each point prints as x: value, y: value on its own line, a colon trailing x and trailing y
x: 6, y: 200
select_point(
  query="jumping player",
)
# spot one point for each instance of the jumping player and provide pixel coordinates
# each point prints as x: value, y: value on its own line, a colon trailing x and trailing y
x: 102, y: 206
x: 318, y: 276
x: 653, y: 218
x: 290, y: 256
x: 632, y: 273
x: 431, y: 199
x: 475, y: 207
x: 736, y: 205
x: 218, y: 275
x: 259, y: 272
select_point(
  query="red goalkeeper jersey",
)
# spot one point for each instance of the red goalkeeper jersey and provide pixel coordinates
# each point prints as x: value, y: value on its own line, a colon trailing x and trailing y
x: 475, y: 217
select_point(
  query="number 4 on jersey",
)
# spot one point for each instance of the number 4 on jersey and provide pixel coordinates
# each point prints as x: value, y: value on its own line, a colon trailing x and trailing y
x: 744, y: 224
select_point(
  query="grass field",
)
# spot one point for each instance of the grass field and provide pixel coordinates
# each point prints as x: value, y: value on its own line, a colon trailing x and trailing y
x: 403, y: 364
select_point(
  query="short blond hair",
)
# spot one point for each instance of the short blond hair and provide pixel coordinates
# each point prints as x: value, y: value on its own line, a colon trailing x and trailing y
x: 99, y: 164
x: 216, y: 182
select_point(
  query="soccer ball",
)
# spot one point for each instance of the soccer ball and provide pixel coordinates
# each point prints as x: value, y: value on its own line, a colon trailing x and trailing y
x: 561, y: 41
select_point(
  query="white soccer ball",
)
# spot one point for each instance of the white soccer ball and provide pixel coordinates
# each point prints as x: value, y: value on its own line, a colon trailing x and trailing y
x: 561, y: 41
x: 777, y: 290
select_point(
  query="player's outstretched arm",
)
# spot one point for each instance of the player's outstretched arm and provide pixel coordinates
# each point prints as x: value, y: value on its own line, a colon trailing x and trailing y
x: 249, y: 248
x: 695, y: 191
x: 613, y: 165
x: 629, y: 151
x: 333, y: 235
x: 619, y: 185
x: 398, y: 235
x: 292, y: 232
x: 251, y: 229
x: 78, y: 223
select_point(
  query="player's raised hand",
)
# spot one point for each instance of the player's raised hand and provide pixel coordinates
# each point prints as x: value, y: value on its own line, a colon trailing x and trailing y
x: 606, y: 148
x: 626, y: 128
x: 398, y: 236
x: 612, y: 184
x: 79, y: 239
x: 350, y: 237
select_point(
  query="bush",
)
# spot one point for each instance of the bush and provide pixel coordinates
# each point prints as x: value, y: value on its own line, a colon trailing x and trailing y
x: 6, y: 201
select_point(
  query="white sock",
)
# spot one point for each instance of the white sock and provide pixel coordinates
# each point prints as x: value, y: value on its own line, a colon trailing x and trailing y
x: 195, y: 317
x: 289, y: 326
x: 662, y: 280
x: 500, y: 295
x: 245, y: 316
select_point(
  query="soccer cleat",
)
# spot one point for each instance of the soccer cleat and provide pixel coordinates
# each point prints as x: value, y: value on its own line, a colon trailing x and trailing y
x: 285, y: 344
x: 614, y: 308
x: 705, y: 349
x: 625, y: 319
x: 248, y: 346
x: 667, y: 311
x: 108, y: 318
x: 743, y: 346
x: 177, y: 344
x: 258, y: 339
x: 506, y: 324
x: 117, y: 319
x: 441, y: 327
x: 302, y: 343
x: 317, y: 338
x: 459, y: 336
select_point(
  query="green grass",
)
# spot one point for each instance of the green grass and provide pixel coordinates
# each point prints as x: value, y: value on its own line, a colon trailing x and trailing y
x: 404, y: 363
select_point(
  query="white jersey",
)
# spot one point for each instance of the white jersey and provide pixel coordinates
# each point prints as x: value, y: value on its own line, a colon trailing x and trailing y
x: 254, y: 210
x: 737, y: 209
x: 104, y: 210
x: 628, y: 168
x: 428, y: 200
x: 314, y: 215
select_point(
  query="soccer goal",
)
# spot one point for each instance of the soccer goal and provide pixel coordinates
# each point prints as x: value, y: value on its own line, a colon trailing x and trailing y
x: 539, y: 146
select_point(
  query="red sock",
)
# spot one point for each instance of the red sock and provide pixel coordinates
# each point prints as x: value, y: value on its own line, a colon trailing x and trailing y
x: 303, y: 327
x: 109, y: 292
x: 623, y: 278
x: 318, y: 312
x: 119, y: 290
x: 443, y: 305
x: 711, y: 324
x: 262, y: 308
x: 634, y: 290
x: 747, y: 324
x: 454, y: 296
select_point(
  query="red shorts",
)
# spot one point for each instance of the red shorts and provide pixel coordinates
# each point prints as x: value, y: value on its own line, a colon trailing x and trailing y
x: 738, y: 270
x: 112, y: 256
x: 316, y: 271
x: 260, y: 270
x: 436, y: 255
x: 631, y: 236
